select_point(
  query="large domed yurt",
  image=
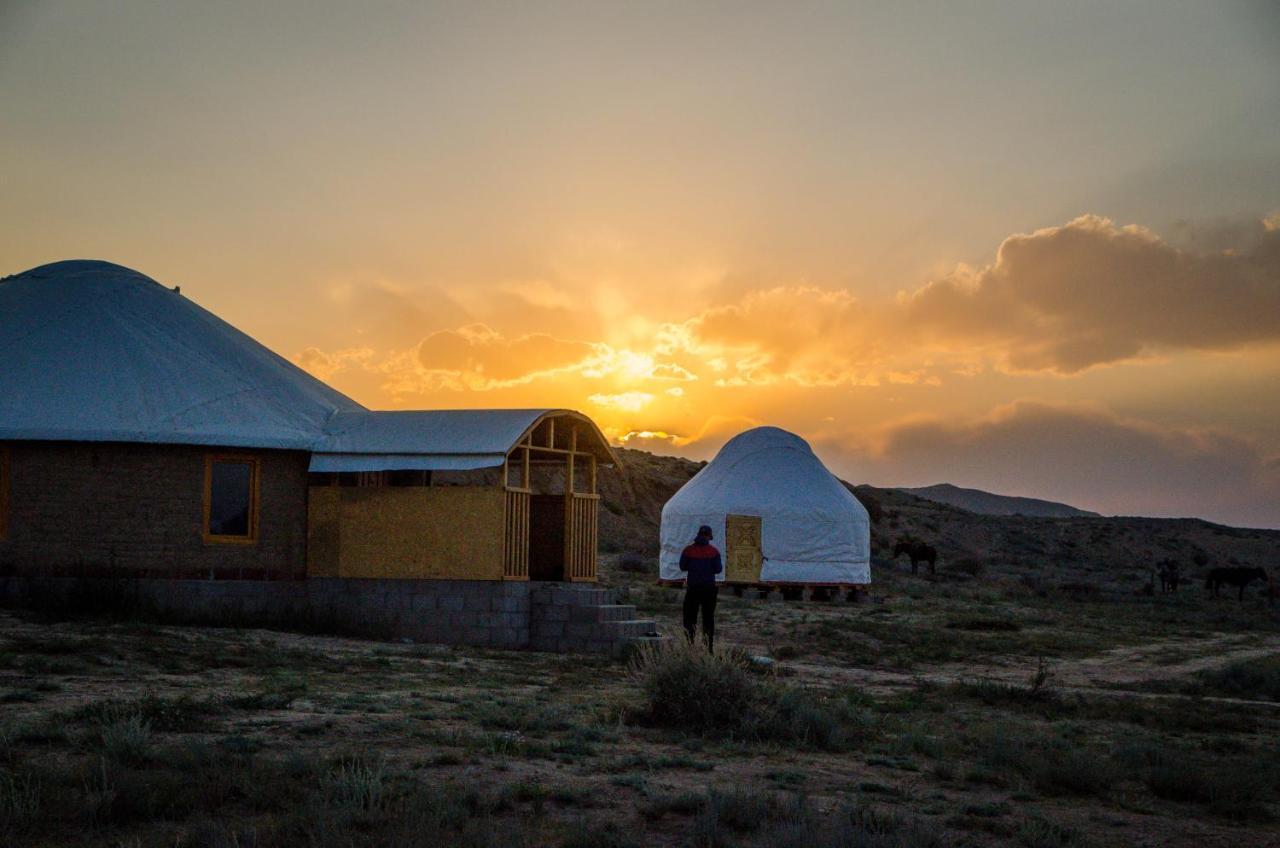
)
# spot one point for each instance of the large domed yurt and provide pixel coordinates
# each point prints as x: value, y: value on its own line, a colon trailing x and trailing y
x: 147, y: 442
x: 779, y: 516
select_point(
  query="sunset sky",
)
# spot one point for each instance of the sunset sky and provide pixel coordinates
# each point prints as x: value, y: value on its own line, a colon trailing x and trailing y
x: 1031, y: 248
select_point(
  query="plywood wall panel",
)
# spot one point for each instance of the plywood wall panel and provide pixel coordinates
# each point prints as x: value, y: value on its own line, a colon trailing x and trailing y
x: 416, y: 532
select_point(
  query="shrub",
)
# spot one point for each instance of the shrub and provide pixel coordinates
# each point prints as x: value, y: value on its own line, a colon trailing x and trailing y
x: 1053, y: 767
x: 681, y: 804
x: 125, y: 738
x: 357, y: 787
x: 788, y: 714
x: 747, y: 810
x: 166, y: 715
x: 20, y: 800
x: 1259, y: 678
x: 608, y: 835
x: 861, y: 826
x: 1233, y: 793
x: 1042, y: 833
x: 522, y: 716
x: 685, y: 687
x: 1072, y: 771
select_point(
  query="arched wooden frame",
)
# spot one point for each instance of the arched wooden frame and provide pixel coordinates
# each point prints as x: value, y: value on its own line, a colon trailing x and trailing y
x: 559, y: 436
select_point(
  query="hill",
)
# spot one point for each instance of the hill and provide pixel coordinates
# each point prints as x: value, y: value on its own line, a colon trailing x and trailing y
x: 1118, y: 553
x: 988, y: 503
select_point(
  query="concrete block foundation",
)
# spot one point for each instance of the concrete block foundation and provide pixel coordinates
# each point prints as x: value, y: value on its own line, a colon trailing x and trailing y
x: 556, y: 617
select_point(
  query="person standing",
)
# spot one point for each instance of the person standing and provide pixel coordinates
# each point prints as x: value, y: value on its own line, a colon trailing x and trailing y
x: 701, y: 561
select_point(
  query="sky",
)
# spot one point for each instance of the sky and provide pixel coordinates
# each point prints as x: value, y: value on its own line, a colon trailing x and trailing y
x: 1027, y: 247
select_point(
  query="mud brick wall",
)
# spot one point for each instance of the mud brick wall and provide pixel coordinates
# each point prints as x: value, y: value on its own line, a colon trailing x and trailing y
x: 127, y: 510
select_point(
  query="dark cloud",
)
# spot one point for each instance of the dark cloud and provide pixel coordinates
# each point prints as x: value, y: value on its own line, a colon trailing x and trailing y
x: 1090, y: 458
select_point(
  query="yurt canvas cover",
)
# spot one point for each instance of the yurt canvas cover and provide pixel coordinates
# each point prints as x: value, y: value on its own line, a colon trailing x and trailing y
x: 770, y: 499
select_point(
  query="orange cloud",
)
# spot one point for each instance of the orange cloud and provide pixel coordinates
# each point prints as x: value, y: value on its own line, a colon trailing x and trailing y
x: 625, y: 401
x: 797, y: 334
x: 650, y: 440
x: 476, y: 357
x: 324, y: 366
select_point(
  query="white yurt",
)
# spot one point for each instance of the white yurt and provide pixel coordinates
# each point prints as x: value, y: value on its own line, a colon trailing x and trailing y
x: 778, y: 514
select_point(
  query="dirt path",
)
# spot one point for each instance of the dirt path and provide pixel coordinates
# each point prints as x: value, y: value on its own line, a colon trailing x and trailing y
x: 1117, y: 672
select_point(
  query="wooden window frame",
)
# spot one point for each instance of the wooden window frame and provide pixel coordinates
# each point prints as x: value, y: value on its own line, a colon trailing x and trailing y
x: 6, y: 485
x: 255, y: 480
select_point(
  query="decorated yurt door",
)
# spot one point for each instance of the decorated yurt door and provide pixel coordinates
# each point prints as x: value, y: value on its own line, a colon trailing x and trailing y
x: 742, y: 549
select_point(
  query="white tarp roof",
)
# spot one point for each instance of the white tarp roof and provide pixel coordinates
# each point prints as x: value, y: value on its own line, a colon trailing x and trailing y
x: 813, y: 529
x: 326, y: 462
x: 437, y: 439
x: 92, y: 351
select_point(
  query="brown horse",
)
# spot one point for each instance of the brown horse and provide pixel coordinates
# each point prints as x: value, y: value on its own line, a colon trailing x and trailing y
x: 919, y: 552
x: 1239, y: 577
x: 1169, y: 576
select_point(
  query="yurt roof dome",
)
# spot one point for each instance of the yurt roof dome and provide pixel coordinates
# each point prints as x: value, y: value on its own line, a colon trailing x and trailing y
x: 766, y: 468
x: 93, y: 351
x: 812, y: 527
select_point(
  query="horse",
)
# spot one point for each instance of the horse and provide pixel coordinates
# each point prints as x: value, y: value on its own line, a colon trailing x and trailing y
x: 1239, y: 577
x: 1169, y: 577
x: 919, y: 552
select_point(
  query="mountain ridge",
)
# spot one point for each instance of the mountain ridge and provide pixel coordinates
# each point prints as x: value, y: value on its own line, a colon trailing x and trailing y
x: 991, y: 503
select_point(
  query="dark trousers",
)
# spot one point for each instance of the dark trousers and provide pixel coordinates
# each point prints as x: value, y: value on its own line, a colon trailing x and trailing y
x: 700, y: 598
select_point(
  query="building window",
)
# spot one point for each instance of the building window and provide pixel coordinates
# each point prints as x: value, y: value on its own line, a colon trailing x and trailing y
x: 230, y: 499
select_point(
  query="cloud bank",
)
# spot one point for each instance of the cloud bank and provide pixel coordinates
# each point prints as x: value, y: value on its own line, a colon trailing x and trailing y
x: 1051, y: 304
x: 1091, y: 293
x: 1085, y: 456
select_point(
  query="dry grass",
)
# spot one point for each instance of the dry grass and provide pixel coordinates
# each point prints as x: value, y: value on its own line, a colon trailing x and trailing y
x: 978, y: 712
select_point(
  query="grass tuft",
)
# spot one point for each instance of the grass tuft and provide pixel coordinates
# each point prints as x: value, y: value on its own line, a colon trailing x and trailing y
x: 687, y: 688
x: 124, y: 739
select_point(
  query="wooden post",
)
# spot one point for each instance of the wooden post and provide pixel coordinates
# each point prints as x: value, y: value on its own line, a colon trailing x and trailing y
x: 525, y: 482
x: 593, y: 474
x: 570, y: 550
x: 573, y: 456
x: 568, y: 465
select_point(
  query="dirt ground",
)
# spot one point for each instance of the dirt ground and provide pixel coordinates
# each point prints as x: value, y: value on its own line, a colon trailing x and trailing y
x: 972, y: 711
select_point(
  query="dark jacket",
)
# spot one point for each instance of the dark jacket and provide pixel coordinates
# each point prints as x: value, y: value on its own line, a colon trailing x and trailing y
x: 703, y: 564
